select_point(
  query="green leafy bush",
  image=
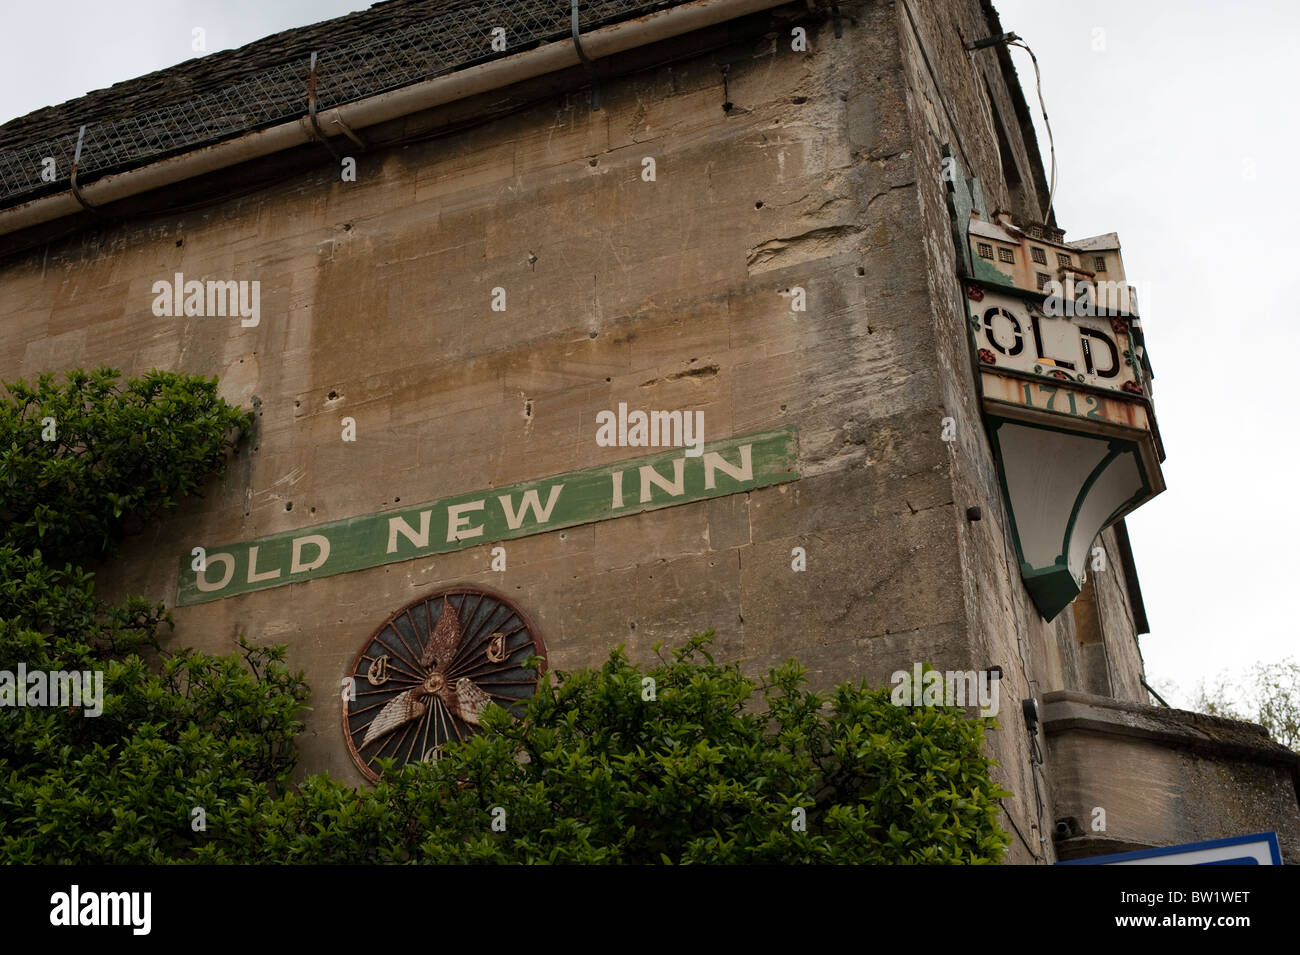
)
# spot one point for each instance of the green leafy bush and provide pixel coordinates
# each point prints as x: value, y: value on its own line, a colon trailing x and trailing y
x: 120, y: 454
x: 595, y: 773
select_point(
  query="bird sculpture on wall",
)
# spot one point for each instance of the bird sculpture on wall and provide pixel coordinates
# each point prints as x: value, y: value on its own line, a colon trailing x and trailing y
x: 462, y: 697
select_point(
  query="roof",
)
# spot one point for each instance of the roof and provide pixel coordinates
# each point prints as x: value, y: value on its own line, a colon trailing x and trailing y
x: 990, y: 230
x: 228, y: 93
x: 1013, y: 234
x: 1097, y: 243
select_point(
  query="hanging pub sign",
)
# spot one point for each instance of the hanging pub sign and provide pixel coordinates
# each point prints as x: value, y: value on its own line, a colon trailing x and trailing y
x: 1039, y: 339
x: 1052, y: 353
x: 1066, y: 391
x: 1065, y: 385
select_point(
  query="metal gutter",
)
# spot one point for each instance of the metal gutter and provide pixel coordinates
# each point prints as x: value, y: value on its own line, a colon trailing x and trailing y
x: 550, y: 58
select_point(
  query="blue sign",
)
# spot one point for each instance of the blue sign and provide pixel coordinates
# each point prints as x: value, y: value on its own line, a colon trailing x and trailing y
x: 1259, y: 849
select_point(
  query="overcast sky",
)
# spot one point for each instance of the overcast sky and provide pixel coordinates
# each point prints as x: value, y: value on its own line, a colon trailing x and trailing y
x: 1175, y: 127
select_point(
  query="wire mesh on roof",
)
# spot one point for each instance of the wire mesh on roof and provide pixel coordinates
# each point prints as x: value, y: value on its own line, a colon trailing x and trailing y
x: 447, y: 41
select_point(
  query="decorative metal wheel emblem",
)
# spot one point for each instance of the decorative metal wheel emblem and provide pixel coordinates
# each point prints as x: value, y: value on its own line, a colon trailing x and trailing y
x: 426, y: 675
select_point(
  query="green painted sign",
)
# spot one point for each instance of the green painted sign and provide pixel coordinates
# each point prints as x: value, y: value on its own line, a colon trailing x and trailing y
x: 469, y: 520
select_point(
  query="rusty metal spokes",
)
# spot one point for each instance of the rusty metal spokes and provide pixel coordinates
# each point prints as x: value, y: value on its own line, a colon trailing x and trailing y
x: 429, y: 671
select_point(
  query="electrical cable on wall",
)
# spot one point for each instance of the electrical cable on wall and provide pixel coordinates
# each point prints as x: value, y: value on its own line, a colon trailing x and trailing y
x: 1051, y: 145
x: 1011, y: 39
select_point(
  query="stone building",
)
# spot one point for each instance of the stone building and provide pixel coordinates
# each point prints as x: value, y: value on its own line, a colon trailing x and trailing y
x: 451, y: 252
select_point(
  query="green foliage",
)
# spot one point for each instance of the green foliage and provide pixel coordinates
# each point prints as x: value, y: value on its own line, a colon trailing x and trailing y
x: 595, y: 773
x: 710, y: 767
x: 121, y: 454
x: 192, y: 730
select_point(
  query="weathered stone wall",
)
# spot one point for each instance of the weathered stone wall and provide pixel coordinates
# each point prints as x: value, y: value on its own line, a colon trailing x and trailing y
x: 1114, y: 607
x: 948, y: 96
x: 774, y: 169
x: 667, y: 294
x: 1165, y: 776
